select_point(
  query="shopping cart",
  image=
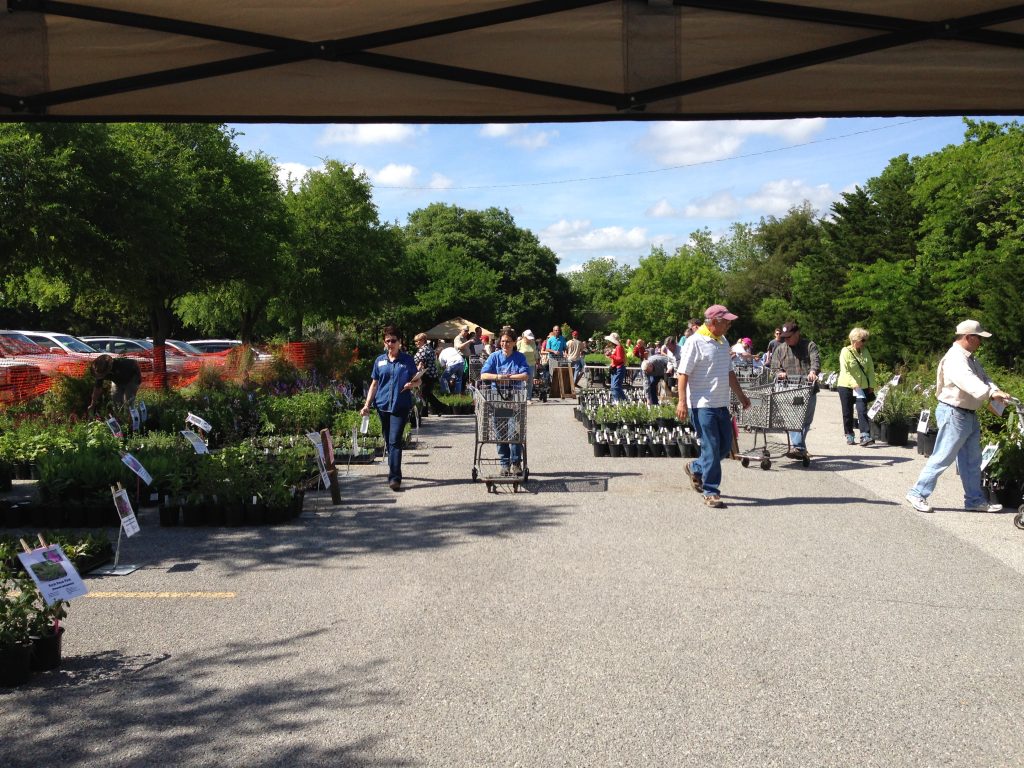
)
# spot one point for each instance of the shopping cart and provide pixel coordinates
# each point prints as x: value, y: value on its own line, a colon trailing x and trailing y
x: 500, y: 410
x: 475, y: 366
x: 751, y: 373
x: 1017, y: 419
x: 775, y: 407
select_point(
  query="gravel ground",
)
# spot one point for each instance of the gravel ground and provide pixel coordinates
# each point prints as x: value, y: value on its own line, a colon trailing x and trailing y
x: 603, y: 617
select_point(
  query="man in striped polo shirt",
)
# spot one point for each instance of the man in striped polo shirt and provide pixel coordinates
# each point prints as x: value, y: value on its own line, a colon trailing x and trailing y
x: 705, y: 377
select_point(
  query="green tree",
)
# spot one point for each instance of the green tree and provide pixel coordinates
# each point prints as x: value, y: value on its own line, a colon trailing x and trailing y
x: 530, y: 292
x: 663, y: 291
x: 342, y: 262
x: 596, y: 288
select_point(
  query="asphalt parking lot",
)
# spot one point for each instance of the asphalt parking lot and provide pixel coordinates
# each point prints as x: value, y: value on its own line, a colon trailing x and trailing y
x: 604, y: 617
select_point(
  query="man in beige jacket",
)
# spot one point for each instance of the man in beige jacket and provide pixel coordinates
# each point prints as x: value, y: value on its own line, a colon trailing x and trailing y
x: 962, y: 387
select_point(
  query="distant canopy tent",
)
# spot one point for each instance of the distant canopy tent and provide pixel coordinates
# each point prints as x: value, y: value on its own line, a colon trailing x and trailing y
x: 500, y: 60
x: 449, y: 329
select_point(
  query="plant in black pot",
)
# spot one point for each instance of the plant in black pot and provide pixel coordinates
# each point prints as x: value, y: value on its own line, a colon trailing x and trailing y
x: 901, y: 408
x: 46, y: 632
x: 1004, y: 476
x: 16, y: 614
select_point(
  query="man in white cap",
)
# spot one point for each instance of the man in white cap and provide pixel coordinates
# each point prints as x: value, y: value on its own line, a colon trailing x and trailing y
x: 962, y: 387
x: 705, y: 377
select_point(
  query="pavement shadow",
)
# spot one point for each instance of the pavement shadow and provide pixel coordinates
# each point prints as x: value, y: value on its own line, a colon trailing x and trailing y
x: 117, y: 709
x: 804, y: 501
x: 845, y: 463
x: 340, y: 532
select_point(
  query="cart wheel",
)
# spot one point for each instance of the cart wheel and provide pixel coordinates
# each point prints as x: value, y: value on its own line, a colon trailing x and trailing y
x: 526, y: 475
x: 475, y: 474
x: 1018, y: 519
x: 766, y: 464
x: 806, y: 461
x: 745, y: 461
x: 490, y: 487
x: 515, y: 487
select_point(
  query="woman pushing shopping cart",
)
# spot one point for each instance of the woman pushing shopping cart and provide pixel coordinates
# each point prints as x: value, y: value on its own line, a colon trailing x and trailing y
x: 500, y: 407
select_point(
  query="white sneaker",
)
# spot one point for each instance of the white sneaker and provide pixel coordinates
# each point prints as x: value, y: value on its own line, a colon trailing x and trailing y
x: 984, y: 506
x: 918, y: 503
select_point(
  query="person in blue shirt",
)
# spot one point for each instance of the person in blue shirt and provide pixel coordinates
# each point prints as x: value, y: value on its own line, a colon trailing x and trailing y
x: 556, y: 345
x: 507, y: 367
x: 393, y: 379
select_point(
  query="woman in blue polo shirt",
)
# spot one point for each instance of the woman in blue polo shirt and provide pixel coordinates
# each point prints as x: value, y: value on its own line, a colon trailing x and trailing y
x: 393, y: 379
x: 509, y: 367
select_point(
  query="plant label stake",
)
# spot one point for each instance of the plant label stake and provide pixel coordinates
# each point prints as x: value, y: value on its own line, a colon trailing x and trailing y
x: 136, y: 418
x: 143, y: 412
x: 923, y: 420
x: 136, y: 466
x: 54, y: 575
x: 115, y: 427
x: 129, y: 527
x: 197, y: 442
x: 199, y: 423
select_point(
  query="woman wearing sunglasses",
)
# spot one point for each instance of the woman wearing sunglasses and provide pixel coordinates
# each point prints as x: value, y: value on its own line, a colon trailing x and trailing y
x: 393, y: 379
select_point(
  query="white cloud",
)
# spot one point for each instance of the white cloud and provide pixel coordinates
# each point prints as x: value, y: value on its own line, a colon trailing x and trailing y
x: 440, y: 181
x: 368, y: 133
x: 661, y: 210
x: 393, y: 175
x: 518, y: 135
x: 697, y: 142
x: 293, y: 170
x: 775, y: 198
x: 579, y: 236
x: 720, y: 205
x: 497, y: 130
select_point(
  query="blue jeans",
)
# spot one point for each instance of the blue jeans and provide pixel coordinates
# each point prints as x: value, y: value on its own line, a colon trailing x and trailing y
x: 577, y: 369
x: 510, y: 453
x: 714, y: 427
x: 799, y: 439
x: 618, y: 380
x: 452, y: 374
x: 529, y: 382
x: 847, y: 402
x: 392, y: 425
x: 652, y: 389
x: 959, y: 439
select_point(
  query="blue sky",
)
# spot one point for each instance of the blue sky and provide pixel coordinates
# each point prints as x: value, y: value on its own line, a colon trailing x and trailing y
x: 591, y: 190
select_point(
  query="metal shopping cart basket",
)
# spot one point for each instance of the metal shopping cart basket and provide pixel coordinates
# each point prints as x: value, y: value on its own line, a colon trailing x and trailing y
x: 475, y: 366
x: 775, y: 407
x: 751, y: 374
x: 500, y: 410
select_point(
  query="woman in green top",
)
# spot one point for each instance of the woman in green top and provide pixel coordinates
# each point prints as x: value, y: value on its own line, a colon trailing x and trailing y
x: 856, y: 385
x: 527, y: 344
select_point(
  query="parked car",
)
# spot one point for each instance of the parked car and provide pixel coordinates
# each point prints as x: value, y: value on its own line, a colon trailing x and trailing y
x: 223, y: 346
x: 17, y: 348
x: 59, y: 343
x: 139, y: 350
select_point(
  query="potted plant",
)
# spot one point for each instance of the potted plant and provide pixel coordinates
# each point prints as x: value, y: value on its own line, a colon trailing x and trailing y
x: 46, y: 632
x: 901, y: 407
x: 16, y: 614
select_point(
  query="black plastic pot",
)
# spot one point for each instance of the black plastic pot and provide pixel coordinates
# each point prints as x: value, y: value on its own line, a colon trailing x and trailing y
x: 1008, y: 493
x: 875, y: 430
x: 926, y: 442
x: 169, y: 516
x: 5, y: 477
x: 213, y: 513
x: 234, y: 514
x: 658, y: 450
x: 256, y: 514
x: 46, y: 651
x: 15, y: 665
x: 897, y: 433
x: 615, y: 450
x: 75, y: 516
x: 97, y: 516
x: 673, y: 450
x: 297, y: 501
x: 193, y: 514
x: 54, y: 516
x: 632, y: 450
x: 601, y: 449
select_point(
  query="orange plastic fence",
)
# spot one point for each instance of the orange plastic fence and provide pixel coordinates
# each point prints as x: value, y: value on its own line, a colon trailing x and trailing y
x: 25, y: 372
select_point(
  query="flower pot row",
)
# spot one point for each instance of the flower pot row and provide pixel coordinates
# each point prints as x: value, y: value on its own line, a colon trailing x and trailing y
x: 214, y: 513
x: 58, y: 515
x: 42, y: 654
x: 895, y: 433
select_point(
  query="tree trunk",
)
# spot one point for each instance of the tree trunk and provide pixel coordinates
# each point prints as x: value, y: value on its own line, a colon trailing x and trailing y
x: 160, y: 324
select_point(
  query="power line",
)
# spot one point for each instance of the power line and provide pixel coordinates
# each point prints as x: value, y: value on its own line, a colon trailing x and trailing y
x: 654, y: 170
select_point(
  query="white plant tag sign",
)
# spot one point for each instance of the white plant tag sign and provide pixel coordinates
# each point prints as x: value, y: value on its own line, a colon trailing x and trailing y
x: 314, y: 438
x: 143, y: 411
x: 923, y: 421
x: 136, y: 466
x: 136, y: 419
x: 198, y: 421
x: 115, y: 427
x: 988, y: 454
x: 123, y: 504
x: 876, y: 408
x: 53, y: 573
x: 197, y: 442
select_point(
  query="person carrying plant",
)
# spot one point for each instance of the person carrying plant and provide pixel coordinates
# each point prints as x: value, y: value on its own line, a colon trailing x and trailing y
x: 962, y: 387
x: 394, y: 377
x: 705, y: 377
x: 124, y: 376
x: 856, y: 386
x: 797, y: 360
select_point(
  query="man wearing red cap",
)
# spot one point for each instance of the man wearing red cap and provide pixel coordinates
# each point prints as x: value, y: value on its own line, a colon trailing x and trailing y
x: 705, y: 377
